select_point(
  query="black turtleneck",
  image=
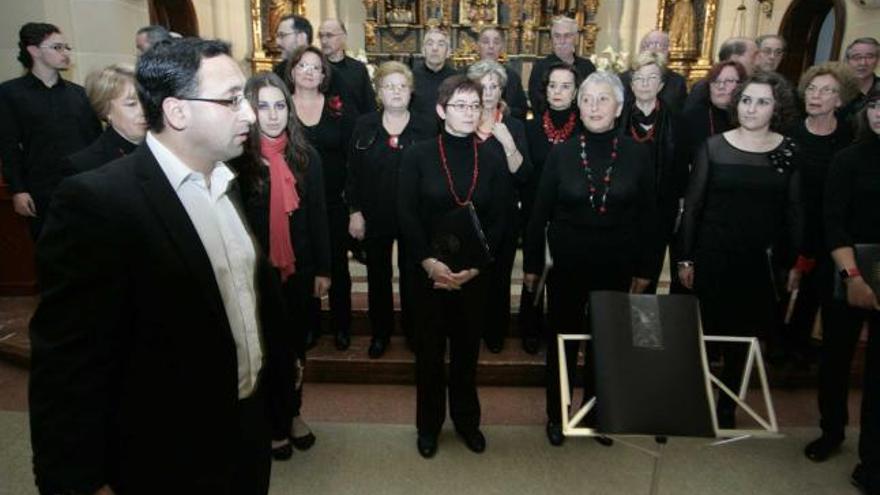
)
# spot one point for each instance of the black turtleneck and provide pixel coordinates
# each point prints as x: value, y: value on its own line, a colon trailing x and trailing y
x: 424, y: 196
x: 539, y: 145
x: 576, y: 229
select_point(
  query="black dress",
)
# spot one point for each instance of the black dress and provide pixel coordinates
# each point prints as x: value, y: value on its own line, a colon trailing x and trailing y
x: 311, y: 246
x: 531, y: 316
x: 424, y: 197
x: 815, y: 287
x: 331, y: 137
x: 591, y: 250
x: 738, y: 205
x: 373, y: 168
x: 108, y: 147
x: 498, y: 313
x: 852, y: 216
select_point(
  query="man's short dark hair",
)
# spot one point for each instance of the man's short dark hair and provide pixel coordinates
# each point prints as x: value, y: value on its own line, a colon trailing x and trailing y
x: 867, y: 40
x: 155, y: 33
x: 169, y: 69
x: 764, y: 37
x: 731, y: 47
x: 300, y: 24
x: 457, y: 83
x: 32, y: 34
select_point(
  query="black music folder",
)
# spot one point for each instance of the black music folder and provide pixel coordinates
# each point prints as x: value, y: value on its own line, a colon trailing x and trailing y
x: 868, y: 261
x: 650, y: 378
x: 457, y: 239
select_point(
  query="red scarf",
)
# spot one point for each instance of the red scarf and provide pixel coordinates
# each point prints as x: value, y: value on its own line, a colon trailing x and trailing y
x: 283, y: 200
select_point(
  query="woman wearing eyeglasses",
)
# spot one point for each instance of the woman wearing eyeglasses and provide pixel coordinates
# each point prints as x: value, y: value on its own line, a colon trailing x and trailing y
x: 597, y: 202
x: 556, y: 124
x: 283, y: 188
x: 824, y: 89
x: 378, y: 143
x: 743, y: 196
x: 327, y: 125
x: 697, y: 123
x: 648, y: 120
x: 441, y: 178
x: 499, y: 130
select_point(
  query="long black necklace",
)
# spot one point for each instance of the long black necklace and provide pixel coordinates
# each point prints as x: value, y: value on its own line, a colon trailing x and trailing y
x: 592, y: 182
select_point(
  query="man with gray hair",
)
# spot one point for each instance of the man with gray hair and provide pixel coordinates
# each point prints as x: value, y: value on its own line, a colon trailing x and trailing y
x: 148, y: 36
x: 353, y: 73
x: 674, y: 92
x: 861, y: 56
x: 429, y: 72
x: 491, y: 45
x: 564, y: 35
x: 771, y: 49
x: 742, y: 50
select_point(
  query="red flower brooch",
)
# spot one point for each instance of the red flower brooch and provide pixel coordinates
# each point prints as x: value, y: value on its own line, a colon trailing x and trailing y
x: 335, y: 105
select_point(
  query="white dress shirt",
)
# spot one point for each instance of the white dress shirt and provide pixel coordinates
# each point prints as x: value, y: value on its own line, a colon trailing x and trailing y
x: 230, y: 249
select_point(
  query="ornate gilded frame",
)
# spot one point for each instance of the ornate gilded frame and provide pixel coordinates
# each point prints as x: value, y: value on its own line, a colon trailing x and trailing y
x: 261, y: 11
x: 692, y: 66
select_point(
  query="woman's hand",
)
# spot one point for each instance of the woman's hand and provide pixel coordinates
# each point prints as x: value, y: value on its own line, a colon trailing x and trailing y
x: 530, y: 281
x: 465, y: 276
x: 638, y: 285
x: 502, y: 134
x: 357, y: 226
x: 794, y: 280
x: 686, y: 274
x: 859, y: 294
x: 322, y: 285
x: 440, y: 274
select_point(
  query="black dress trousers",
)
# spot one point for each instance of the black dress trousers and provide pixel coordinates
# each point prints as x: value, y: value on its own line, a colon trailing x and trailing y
x: 340, y: 288
x: 381, y: 295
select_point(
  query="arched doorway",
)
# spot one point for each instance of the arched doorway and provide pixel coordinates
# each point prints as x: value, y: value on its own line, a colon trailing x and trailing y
x: 802, y: 27
x: 176, y: 15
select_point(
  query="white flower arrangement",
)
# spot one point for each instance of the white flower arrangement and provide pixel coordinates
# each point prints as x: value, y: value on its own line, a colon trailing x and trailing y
x: 611, y: 60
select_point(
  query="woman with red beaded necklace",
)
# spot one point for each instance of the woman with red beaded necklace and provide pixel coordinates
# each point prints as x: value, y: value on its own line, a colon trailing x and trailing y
x: 597, y: 201
x: 648, y: 121
x: 555, y: 125
x: 437, y: 176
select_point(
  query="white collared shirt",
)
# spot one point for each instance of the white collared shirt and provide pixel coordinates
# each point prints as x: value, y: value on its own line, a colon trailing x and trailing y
x: 230, y: 249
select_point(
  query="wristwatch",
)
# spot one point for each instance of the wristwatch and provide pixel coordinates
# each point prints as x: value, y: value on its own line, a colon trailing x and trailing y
x: 848, y: 273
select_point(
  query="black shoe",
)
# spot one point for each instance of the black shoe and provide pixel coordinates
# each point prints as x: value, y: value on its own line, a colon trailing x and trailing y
x: 474, y: 440
x: 554, y: 434
x: 604, y: 441
x: 822, y: 448
x: 427, y: 445
x: 283, y: 452
x: 495, y: 347
x: 531, y: 345
x: 377, y: 348
x: 858, y: 478
x: 304, y: 442
x: 343, y: 341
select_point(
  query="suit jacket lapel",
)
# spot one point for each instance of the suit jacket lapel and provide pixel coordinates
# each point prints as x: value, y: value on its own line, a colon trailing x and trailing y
x: 164, y: 201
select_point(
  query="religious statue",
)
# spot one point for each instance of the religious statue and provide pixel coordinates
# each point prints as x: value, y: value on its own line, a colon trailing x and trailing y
x: 400, y: 11
x: 434, y: 10
x: 682, y: 34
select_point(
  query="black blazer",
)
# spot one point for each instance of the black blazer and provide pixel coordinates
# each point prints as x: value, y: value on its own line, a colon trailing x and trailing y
x: 134, y: 370
x: 108, y: 147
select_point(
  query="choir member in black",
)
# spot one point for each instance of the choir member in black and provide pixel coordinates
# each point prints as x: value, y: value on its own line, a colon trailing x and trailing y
x: 852, y: 216
x: 373, y: 165
x: 506, y: 134
x: 491, y: 45
x: 564, y: 36
x: 43, y: 118
x: 742, y: 196
x: 862, y: 56
x: 556, y: 124
x: 114, y: 99
x: 348, y: 71
x: 648, y: 119
x: 824, y: 89
x: 699, y: 122
x: 282, y: 186
x: 430, y: 72
x: 437, y: 176
x: 596, y: 200
x: 327, y: 123
x: 744, y: 51
x: 674, y: 90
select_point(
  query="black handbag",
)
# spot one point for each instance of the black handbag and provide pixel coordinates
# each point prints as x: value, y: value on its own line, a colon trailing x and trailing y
x: 868, y: 262
x: 457, y: 239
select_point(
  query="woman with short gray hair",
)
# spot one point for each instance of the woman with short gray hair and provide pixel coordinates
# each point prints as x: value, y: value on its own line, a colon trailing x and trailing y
x: 597, y: 201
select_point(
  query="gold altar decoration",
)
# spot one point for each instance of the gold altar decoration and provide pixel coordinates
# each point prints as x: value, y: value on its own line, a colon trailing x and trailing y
x: 691, y: 28
x: 265, y: 17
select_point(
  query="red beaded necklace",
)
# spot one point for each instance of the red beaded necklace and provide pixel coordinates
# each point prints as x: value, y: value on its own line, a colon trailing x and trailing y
x: 476, y: 173
x: 649, y: 136
x: 553, y: 134
x: 591, y: 181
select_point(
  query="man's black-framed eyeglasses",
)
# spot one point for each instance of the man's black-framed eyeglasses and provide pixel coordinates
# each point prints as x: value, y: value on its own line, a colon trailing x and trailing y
x: 233, y: 103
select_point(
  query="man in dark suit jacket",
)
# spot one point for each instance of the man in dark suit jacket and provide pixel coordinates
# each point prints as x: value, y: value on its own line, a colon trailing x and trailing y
x: 157, y: 333
x: 563, y: 34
